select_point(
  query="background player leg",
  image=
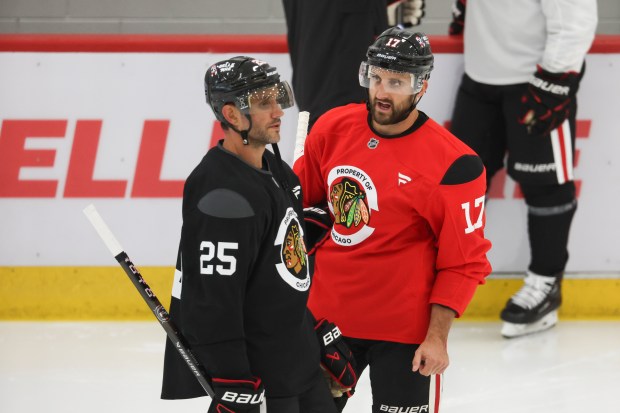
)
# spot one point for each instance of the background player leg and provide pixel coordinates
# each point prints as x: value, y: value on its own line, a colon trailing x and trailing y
x: 477, y: 120
x: 550, y: 213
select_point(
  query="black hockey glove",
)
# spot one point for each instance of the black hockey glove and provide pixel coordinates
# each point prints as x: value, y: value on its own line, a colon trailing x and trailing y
x: 233, y: 396
x: 318, y: 226
x: 405, y: 13
x: 458, y: 18
x: 546, y: 103
x: 336, y: 357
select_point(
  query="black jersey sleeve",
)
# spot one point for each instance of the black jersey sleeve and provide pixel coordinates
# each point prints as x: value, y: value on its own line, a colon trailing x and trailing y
x: 220, y: 240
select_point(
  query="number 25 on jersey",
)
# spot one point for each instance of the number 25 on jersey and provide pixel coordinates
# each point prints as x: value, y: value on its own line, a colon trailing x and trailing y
x: 210, y: 251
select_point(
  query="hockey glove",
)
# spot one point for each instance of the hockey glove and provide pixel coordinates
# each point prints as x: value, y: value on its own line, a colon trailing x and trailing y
x: 458, y: 18
x: 405, y: 13
x: 336, y: 357
x: 546, y: 103
x: 318, y: 226
x: 233, y: 396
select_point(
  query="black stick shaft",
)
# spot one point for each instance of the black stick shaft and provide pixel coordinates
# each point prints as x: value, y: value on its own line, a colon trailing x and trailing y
x: 164, y: 320
x: 149, y: 297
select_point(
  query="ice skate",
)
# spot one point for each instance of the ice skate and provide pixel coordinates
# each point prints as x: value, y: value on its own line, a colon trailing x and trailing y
x: 533, y: 308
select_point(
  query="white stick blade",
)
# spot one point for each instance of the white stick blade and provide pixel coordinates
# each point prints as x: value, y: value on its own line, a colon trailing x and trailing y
x: 302, y: 123
x: 300, y: 137
x: 103, y: 230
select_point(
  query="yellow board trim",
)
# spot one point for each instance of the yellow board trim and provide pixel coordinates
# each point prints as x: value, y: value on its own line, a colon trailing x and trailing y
x: 582, y: 299
x: 79, y: 293
x: 106, y: 293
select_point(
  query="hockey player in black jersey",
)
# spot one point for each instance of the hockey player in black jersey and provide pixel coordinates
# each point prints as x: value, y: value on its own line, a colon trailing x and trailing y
x: 241, y: 281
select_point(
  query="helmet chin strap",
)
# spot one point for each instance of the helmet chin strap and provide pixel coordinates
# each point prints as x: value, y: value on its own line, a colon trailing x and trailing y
x: 279, y: 163
x: 243, y: 133
x: 283, y: 181
x: 406, y: 113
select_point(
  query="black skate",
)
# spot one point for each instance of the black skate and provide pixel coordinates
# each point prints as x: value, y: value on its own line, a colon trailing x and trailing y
x: 534, y: 307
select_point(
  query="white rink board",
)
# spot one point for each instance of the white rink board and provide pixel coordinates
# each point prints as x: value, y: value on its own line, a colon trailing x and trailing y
x: 123, y: 90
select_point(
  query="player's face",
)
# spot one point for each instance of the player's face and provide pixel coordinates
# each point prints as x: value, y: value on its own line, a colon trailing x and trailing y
x: 266, y: 113
x: 391, y: 96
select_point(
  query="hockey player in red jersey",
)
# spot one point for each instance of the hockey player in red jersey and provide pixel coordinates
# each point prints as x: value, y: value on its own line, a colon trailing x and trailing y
x: 242, y: 281
x: 516, y: 107
x: 406, y: 249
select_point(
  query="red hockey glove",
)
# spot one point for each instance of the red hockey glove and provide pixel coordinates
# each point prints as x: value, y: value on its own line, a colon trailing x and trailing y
x: 458, y: 18
x: 318, y: 226
x: 546, y: 103
x: 233, y: 396
x: 405, y: 13
x: 336, y: 357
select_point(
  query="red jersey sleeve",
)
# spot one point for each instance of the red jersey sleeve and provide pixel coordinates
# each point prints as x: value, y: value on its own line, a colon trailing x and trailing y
x: 456, y: 215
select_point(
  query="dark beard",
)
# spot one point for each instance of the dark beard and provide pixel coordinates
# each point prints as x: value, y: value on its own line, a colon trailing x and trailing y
x: 397, y: 116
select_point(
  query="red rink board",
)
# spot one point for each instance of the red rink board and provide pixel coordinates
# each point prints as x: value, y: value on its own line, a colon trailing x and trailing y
x: 217, y: 43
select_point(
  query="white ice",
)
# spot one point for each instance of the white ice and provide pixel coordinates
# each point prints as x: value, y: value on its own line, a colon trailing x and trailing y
x: 110, y: 367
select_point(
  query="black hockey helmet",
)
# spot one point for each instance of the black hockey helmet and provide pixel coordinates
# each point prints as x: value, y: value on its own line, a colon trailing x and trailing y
x: 400, y: 51
x: 241, y: 78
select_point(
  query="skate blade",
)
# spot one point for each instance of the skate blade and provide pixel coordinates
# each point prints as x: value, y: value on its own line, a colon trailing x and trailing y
x: 511, y: 330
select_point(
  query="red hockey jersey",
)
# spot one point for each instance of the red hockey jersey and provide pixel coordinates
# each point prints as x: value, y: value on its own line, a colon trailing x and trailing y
x: 408, y: 226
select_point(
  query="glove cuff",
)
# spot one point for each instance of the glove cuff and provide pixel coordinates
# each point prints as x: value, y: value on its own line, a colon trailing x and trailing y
x: 558, y: 84
x: 336, y: 357
x: 318, y: 226
x: 237, y: 395
x: 327, y: 332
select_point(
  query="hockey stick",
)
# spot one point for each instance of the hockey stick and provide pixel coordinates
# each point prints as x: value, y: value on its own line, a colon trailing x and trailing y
x: 149, y: 297
x: 300, y: 137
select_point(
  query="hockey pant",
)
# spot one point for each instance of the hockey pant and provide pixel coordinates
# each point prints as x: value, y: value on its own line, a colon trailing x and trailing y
x: 395, y: 388
x: 317, y: 399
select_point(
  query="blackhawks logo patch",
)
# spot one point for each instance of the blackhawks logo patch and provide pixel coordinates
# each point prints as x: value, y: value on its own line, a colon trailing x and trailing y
x: 348, y: 201
x: 352, y: 198
x: 293, y: 265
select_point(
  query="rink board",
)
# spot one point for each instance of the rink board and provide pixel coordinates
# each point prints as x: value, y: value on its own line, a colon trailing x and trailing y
x: 106, y: 293
x: 119, y: 121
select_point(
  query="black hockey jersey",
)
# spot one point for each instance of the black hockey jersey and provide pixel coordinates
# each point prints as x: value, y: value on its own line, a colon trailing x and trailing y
x: 242, y: 280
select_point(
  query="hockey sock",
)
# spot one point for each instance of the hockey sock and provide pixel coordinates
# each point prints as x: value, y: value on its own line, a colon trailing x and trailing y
x: 549, y: 227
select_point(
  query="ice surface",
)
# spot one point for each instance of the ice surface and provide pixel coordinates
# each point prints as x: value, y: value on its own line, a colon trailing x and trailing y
x: 104, y: 367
